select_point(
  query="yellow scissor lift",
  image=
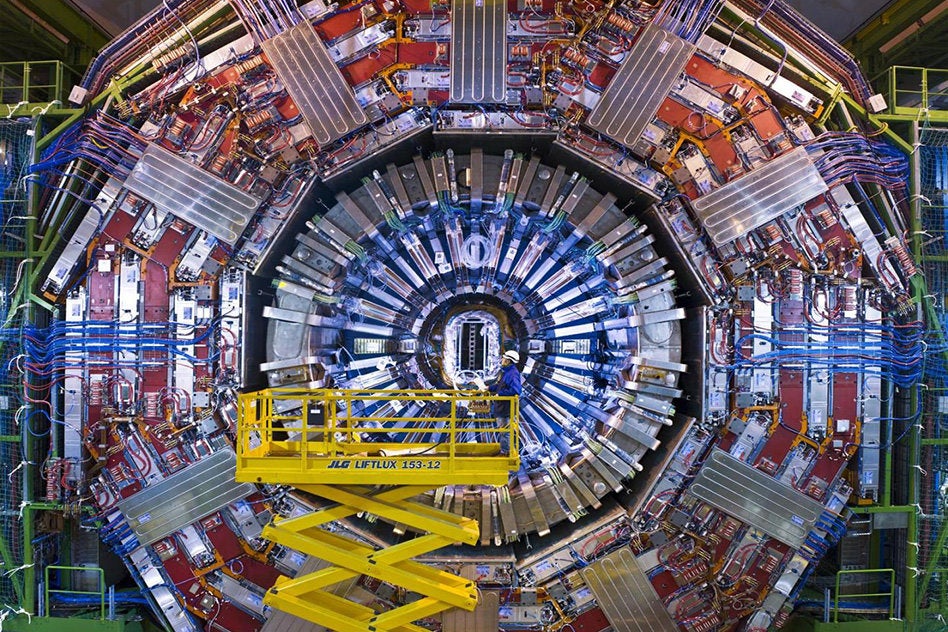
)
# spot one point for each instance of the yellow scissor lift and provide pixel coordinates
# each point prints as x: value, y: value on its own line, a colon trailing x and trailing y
x: 319, y: 442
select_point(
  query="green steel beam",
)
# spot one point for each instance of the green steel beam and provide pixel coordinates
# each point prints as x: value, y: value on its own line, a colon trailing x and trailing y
x: 38, y: 109
x: 913, y: 21
x: 932, y: 116
x: 865, y: 625
x: 29, y: 517
x: 61, y: 20
x: 40, y: 302
x: 73, y: 115
x: 918, y: 289
x: 878, y: 509
x: 890, y: 22
x: 879, y: 123
x: 70, y: 624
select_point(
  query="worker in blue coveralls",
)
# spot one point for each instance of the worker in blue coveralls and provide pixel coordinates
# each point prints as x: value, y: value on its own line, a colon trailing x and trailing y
x: 508, y: 383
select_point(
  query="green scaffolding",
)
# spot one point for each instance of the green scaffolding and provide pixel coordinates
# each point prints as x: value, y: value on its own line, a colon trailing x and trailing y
x: 17, y: 466
x: 931, y: 232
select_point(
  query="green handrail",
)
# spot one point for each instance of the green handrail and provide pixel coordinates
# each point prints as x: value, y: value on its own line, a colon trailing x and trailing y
x: 918, y: 84
x: 20, y: 83
x: 81, y: 569
x: 890, y: 594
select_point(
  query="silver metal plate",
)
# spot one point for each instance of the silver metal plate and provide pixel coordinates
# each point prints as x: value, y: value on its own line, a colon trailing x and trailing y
x: 313, y: 80
x: 758, y: 197
x: 484, y: 618
x: 753, y: 497
x: 640, y: 85
x: 196, y: 491
x: 176, y: 186
x: 479, y: 51
x: 625, y: 595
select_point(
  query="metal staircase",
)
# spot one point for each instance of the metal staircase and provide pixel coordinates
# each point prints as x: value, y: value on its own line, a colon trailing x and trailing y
x: 371, y: 451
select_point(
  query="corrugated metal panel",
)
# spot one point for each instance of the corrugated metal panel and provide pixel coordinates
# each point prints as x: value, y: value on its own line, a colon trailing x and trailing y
x: 641, y: 84
x: 313, y: 80
x: 758, y: 197
x: 182, y: 498
x: 176, y: 186
x: 625, y: 595
x: 756, y: 498
x: 479, y: 51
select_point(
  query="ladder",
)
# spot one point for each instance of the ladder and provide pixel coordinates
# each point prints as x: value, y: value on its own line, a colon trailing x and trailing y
x: 371, y: 451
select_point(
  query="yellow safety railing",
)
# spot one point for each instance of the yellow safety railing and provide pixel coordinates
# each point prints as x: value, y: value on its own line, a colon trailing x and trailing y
x: 399, y: 437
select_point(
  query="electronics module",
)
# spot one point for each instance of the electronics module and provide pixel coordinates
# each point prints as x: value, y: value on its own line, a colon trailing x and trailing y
x: 708, y: 284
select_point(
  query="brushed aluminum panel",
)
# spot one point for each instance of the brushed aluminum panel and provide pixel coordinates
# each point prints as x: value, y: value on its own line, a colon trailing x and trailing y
x: 640, y: 85
x: 479, y: 51
x: 484, y: 618
x: 313, y: 80
x: 756, y: 498
x: 196, y: 491
x: 625, y: 595
x: 758, y: 197
x: 174, y: 185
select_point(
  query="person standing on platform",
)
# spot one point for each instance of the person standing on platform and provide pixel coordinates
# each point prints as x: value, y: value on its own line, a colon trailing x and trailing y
x: 508, y: 384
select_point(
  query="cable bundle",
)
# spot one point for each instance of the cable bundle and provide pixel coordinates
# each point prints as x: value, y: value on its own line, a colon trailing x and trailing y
x: 688, y: 19
x: 845, y: 157
x: 265, y: 19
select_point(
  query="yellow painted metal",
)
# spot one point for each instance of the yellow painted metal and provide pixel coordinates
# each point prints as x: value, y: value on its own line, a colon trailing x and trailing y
x: 314, y: 441
x: 444, y: 445
x: 361, y: 560
x: 425, y: 518
x: 411, y: 612
x: 332, y: 612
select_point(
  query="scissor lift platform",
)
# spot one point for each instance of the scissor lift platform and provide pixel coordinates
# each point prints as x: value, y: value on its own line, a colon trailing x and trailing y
x: 354, y: 449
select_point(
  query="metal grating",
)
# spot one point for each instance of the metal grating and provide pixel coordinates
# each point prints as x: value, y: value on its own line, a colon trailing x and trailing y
x: 15, y: 149
x: 932, y: 473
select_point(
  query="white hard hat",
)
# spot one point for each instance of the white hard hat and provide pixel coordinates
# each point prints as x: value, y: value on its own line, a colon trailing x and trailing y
x: 512, y: 355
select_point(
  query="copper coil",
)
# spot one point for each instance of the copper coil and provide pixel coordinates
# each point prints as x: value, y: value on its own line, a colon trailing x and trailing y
x: 620, y: 22
x: 177, y: 127
x: 218, y: 164
x: 246, y: 66
x: 576, y: 57
x: 796, y: 281
x: 826, y: 217
x: 259, y: 118
x: 905, y: 259
x: 849, y: 298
